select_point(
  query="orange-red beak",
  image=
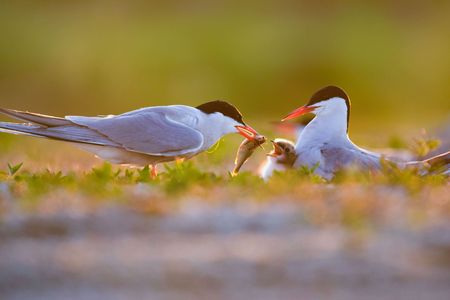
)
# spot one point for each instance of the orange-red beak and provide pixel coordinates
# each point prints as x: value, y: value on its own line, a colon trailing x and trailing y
x: 302, y: 110
x: 247, y: 132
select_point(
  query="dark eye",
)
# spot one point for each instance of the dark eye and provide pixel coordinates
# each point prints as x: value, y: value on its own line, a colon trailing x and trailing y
x: 287, y: 150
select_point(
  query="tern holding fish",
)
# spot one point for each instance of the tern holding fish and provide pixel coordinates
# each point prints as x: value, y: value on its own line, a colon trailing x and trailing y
x: 146, y: 136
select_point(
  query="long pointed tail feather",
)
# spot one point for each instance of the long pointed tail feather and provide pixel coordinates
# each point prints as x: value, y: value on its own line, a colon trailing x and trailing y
x: 439, y: 163
x: 21, y: 129
x: 48, y: 121
x: 71, y: 133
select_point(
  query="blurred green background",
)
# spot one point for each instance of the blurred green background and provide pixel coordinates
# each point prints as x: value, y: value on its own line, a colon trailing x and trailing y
x: 267, y: 57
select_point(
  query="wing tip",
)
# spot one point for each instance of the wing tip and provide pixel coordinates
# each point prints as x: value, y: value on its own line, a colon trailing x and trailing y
x: 6, y: 111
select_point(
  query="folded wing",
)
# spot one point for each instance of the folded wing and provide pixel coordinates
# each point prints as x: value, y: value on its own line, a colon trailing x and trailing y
x: 336, y: 158
x: 146, y: 131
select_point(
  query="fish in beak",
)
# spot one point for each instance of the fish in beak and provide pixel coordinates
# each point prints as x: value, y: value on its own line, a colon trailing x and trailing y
x: 246, y: 150
x: 247, y: 132
x: 302, y: 110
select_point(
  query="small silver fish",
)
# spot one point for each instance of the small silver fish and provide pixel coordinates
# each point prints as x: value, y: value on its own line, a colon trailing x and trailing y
x: 246, y: 150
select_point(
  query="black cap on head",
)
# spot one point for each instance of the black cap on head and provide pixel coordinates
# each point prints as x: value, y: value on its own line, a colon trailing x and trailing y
x: 223, y: 107
x: 329, y: 92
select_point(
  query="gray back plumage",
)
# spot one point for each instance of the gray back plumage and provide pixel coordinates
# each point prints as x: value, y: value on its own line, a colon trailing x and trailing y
x: 149, y: 131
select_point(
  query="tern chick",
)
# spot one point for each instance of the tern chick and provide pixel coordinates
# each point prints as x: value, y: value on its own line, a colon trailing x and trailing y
x: 281, y: 158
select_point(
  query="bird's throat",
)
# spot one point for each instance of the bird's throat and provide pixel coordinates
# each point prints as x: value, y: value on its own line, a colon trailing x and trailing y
x: 325, y: 128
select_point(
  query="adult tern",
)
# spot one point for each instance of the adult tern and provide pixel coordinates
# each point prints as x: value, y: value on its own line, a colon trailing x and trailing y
x: 324, y: 143
x: 146, y: 136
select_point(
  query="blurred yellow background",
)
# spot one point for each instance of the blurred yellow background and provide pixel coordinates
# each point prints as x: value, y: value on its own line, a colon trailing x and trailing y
x: 102, y: 57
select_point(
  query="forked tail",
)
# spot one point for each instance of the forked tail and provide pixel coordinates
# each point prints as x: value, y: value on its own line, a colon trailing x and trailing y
x: 439, y: 163
x: 52, y: 128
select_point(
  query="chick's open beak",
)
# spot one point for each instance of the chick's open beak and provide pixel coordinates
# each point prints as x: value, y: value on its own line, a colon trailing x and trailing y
x: 277, y: 150
x: 299, y: 111
x: 247, y: 132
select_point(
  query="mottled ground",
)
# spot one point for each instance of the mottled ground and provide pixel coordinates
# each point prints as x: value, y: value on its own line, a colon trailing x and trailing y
x: 109, y: 233
x: 220, y: 251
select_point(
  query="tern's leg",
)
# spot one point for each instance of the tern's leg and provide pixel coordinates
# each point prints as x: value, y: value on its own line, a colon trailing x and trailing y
x: 154, y: 171
x: 179, y: 160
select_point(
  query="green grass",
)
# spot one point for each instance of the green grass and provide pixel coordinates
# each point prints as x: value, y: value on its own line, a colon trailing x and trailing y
x: 41, y: 177
x: 185, y: 180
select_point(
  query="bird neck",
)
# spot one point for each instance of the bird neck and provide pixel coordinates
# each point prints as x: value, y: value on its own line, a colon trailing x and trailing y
x: 329, y: 126
x: 214, y: 126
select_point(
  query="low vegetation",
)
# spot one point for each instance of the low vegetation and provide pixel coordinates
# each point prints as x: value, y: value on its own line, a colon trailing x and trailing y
x: 353, y: 198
